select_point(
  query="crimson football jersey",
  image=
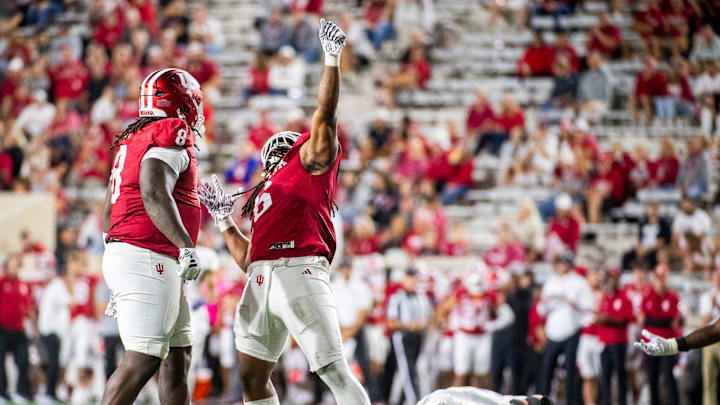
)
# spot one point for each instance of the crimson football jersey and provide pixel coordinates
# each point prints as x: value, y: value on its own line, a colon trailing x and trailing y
x: 129, y: 222
x: 291, y: 217
x: 473, y: 312
x: 84, y: 297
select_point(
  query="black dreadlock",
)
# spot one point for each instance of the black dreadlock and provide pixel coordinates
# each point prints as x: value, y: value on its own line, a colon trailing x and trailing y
x: 255, y: 191
x: 131, y: 129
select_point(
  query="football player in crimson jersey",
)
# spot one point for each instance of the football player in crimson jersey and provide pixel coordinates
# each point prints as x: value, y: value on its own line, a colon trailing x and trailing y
x: 288, y: 256
x: 479, y: 313
x: 151, y: 221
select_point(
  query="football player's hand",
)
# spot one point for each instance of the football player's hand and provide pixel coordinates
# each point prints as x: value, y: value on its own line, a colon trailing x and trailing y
x: 189, y: 264
x: 656, y: 345
x: 332, y: 37
x: 218, y: 203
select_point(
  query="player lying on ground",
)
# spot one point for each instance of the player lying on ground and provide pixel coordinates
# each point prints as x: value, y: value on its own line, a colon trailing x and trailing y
x: 479, y: 396
x: 151, y: 221
x: 292, y: 244
x: 658, y: 346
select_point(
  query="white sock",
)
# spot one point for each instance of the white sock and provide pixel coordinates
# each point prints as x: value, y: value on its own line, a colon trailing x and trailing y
x: 345, y: 387
x: 273, y: 400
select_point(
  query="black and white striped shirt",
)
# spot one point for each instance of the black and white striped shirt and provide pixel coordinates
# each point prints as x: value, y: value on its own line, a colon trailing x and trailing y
x: 409, y: 308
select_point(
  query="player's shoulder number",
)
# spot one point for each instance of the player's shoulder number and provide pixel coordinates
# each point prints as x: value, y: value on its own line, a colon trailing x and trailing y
x: 181, y: 137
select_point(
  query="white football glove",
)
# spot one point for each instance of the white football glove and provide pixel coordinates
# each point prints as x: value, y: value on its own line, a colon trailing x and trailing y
x: 332, y: 39
x: 218, y: 203
x: 656, y: 345
x: 189, y: 264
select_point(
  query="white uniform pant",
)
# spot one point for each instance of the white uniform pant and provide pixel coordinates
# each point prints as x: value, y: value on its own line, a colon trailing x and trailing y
x: 377, y: 343
x: 472, y: 353
x: 289, y: 296
x: 152, y: 311
x: 588, y: 356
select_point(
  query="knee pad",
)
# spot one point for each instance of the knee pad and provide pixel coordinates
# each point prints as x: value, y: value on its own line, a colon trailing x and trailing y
x: 343, y: 384
x: 337, y: 373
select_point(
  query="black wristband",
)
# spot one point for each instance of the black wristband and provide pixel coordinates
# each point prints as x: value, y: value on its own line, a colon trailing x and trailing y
x: 682, y: 344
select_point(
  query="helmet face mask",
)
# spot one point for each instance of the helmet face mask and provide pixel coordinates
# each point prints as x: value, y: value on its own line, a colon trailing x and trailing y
x: 276, y: 147
x: 173, y: 93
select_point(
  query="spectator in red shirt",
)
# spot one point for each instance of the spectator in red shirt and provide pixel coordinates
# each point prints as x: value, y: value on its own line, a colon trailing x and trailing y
x: 667, y: 165
x: 260, y: 132
x: 7, y: 165
x: 13, y: 78
x: 614, y: 315
x: 661, y: 316
x: 15, y: 306
x: 510, y: 116
x: 70, y: 78
x: 562, y: 47
x: 650, y: 87
x: 200, y: 67
x: 643, y: 169
x: 148, y: 15
x: 604, y: 37
x: 536, y: 328
x: 507, y: 253
x: 458, y: 167
x: 676, y: 26
x: 537, y: 59
x: 308, y: 6
x: 363, y: 237
x: 378, y: 15
x: 648, y: 22
x: 92, y: 162
x: 10, y: 97
x: 480, y: 117
x: 412, y: 75
x: 259, y: 73
x: 456, y: 243
x: 413, y: 161
x: 110, y: 29
x: 30, y: 245
x: 678, y: 85
x: 607, y: 189
x: 563, y: 225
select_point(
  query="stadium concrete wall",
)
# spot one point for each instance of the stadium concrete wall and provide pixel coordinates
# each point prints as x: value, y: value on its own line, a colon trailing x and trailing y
x: 34, y: 212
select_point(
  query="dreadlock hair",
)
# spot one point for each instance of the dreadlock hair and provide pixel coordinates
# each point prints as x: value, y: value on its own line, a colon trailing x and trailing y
x: 131, y: 129
x: 255, y: 191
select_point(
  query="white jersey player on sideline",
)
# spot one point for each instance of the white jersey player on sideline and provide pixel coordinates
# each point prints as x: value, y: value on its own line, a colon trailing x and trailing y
x: 479, y: 396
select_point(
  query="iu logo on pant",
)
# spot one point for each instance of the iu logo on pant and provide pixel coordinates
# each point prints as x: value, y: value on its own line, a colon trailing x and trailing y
x: 159, y: 268
x: 259, y: 280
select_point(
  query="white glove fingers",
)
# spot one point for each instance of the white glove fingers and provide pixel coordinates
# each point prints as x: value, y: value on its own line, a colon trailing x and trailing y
x: 642, y: 346
x: 207, y: 190
x: 218, y: 185
x: 649, y: 335
x: 204, y: 200
x: 323, y: 28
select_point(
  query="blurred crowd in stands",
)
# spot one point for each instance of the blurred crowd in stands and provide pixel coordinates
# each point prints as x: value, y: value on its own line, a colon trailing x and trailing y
x: 485, y: 313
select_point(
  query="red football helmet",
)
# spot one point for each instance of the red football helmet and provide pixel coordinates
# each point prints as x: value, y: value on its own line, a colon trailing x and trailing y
x: 173, y: 92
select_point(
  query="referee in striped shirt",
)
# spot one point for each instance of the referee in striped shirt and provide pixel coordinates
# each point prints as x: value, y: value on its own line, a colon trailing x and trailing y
x: 408, y: 315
